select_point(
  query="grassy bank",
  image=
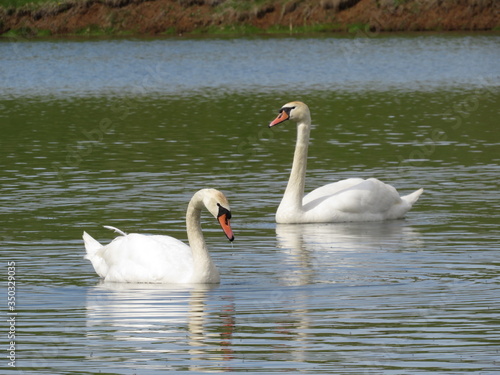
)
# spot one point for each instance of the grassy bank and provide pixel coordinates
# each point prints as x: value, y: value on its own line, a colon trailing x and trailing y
x: 175, y: 17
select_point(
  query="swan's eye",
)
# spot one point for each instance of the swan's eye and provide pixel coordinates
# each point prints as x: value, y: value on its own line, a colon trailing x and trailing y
x: 223, y: 211
x: 287, y: 110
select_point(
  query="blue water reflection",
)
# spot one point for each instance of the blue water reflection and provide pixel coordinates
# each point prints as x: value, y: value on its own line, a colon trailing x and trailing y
x: 181, y: 66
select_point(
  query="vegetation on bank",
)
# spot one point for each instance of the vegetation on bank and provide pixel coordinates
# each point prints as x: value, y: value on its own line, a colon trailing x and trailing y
x: 173, y: 17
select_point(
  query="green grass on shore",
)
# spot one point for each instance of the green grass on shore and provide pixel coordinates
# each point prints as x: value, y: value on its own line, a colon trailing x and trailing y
x: 242, y: 5
x: 21, y: 3
x: 235, y: 14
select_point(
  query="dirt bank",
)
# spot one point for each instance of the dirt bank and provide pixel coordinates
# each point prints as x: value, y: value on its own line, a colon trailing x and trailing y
x: 163, y: 17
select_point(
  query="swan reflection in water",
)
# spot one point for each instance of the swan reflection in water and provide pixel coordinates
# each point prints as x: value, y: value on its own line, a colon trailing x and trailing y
x: 336, y: 252
x: 146, y: 319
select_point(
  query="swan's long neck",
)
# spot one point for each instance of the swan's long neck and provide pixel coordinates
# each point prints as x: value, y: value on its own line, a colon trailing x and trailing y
x: 292, y: 199
x: 204, y: 269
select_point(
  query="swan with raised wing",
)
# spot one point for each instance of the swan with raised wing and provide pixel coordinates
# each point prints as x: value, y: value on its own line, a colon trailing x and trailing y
x: 139, y: 258
x: 354, y: 199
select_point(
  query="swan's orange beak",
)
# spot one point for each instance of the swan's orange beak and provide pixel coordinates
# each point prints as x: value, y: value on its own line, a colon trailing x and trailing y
x: 226, y: 227
x: 283, y: 116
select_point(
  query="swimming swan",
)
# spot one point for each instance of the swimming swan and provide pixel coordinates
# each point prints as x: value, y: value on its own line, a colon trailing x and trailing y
x: 354, y: 199
x: 139, y: 258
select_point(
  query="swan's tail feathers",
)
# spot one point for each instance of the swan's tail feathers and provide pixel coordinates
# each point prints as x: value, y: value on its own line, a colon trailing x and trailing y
x: 413, y: 197
x: 91, y: 245
x: 115, y: 229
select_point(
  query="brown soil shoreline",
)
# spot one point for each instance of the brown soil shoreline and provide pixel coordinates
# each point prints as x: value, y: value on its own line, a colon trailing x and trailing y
x: 176, y: 17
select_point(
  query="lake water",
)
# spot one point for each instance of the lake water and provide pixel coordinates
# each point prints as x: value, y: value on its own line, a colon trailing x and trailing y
x: 123, y: 132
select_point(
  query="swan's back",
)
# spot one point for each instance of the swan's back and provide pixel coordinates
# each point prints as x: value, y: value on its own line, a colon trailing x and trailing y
x: 142, y: 258
x: 318, y: 195
x: 356, y: 199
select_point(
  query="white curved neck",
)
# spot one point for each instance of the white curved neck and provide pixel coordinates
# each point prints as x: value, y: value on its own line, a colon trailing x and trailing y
x: 204, y: 269
x: 292, y: 199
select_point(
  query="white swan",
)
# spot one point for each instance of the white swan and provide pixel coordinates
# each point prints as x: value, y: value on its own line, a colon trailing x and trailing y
x: 354, y: 199
x: 138, y: 258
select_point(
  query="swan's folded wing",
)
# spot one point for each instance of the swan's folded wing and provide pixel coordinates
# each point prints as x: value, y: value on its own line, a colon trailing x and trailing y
x: 370, y: 198
x: 325, y: 192
x: 141, y: 258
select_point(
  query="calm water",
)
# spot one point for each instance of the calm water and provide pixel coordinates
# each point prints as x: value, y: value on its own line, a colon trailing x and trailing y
x: 123, y: 132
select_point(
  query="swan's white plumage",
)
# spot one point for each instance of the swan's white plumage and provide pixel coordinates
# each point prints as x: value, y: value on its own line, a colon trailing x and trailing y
x: 137, y: 258
x: 354, y: 199
x: 115, y: 230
